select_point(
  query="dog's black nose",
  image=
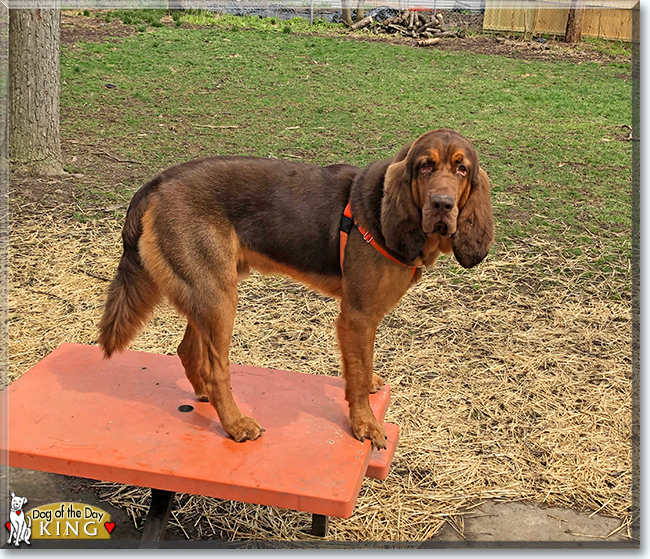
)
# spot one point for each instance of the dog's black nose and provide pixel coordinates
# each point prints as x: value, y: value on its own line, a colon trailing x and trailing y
x: 442, y: 203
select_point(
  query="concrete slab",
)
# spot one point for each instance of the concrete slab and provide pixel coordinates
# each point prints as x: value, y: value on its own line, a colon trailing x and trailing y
x: 527, y: 522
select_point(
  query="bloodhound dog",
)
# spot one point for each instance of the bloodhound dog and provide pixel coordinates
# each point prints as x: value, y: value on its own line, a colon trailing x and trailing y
x: 360, y: 235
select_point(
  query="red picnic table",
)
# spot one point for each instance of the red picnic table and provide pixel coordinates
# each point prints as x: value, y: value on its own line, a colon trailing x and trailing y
x: 134, y: 420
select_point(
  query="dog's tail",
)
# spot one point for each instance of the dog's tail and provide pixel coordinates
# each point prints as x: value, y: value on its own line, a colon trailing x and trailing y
x: 132, y: 295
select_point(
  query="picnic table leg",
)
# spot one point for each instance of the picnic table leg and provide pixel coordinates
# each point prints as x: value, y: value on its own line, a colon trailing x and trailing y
x: 157, y: 517
x: 319, y: 524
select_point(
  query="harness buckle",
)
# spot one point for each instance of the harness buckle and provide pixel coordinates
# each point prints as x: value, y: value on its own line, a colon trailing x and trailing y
x: 346, y: 224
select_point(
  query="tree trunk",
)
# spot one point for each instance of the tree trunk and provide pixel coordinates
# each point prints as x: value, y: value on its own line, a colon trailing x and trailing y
x: 360, y: 5
x: 34, y: 89
x: 345, y: 12
x: 574, y: 23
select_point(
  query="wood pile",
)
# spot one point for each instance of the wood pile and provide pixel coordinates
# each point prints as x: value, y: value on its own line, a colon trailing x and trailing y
x: 427, y: 27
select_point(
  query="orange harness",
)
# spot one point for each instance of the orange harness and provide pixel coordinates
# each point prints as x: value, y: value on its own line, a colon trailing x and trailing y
x: 347, y: 223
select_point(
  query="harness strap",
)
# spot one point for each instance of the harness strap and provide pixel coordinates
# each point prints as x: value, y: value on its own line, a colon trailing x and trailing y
x: 348, y: 223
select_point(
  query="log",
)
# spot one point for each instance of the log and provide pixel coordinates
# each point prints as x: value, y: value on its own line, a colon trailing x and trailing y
x: 365, y: 22
x: 398, y: 28
x: 446, y: 34
x: 426, y: 27
x: 429, y: 42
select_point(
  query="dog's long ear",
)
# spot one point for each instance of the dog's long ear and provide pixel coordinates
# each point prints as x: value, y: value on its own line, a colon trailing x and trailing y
x: 401, y: 219
x: 403, y: 152
x: 475, y: 224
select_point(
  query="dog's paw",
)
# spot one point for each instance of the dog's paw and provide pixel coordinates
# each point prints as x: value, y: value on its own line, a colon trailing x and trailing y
x: 376, y: 384
x: 369, y: 429
x: 244, y: 429
x: 201, y: 397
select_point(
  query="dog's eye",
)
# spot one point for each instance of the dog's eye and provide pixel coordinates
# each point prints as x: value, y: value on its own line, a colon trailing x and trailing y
x: 462, y: 170
x: 427, y: 167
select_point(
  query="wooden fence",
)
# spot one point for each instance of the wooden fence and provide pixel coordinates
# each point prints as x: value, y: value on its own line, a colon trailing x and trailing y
x: 610, y: 19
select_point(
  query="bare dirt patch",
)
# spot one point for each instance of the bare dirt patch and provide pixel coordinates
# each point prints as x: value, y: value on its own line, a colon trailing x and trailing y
x: 92, y: 29
x: 551, y: 51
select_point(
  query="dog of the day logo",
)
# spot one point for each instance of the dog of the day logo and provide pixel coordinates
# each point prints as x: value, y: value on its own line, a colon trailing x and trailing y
x: 58, y: 521
x: 19, y: 526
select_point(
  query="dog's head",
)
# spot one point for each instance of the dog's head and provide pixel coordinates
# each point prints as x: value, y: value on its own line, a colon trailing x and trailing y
x: 435, y: 186
x: 17, y: 503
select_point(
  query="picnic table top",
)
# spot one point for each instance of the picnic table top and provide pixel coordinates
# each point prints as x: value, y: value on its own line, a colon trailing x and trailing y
x: 122, y: 420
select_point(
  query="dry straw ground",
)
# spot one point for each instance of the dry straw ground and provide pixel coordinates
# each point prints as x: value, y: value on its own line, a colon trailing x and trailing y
x: 512, y: 383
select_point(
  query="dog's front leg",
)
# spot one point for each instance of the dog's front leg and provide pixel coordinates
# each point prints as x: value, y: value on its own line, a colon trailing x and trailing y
x: 356, y: 335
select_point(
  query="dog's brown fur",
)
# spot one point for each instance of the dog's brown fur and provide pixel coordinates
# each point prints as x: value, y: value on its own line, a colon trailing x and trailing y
x: 194, y: 230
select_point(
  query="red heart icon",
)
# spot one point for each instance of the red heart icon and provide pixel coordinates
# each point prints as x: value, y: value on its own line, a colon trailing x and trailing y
x: 8, y: 525
x: 18, y: 512
x: 109, y: 526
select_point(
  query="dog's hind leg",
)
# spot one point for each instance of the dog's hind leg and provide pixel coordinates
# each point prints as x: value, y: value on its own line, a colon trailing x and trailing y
x: 204, y: 352
x: 196, y: 269
x: 214, y: 324
x: 194, y: 361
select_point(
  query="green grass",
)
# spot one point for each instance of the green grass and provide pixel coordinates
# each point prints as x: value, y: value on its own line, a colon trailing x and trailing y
x: 142, y: 18
x: 226, y: 21
x: 548, y: 133
x: 613, y: 48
